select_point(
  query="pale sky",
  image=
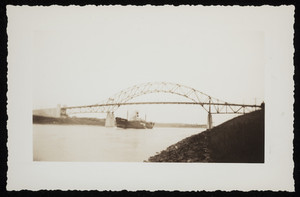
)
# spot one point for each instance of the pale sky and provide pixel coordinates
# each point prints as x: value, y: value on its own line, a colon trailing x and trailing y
x: 84, y: 55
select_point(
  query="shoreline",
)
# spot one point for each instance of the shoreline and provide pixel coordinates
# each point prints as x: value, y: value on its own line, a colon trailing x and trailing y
x: 239, y: 140
x: 99, y: 122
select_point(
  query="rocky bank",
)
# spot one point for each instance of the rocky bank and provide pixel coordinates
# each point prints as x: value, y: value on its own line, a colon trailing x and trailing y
x: 239, y: 140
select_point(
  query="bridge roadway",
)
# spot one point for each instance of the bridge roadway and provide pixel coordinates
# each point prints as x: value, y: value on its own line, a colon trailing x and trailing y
x: 219, y: 108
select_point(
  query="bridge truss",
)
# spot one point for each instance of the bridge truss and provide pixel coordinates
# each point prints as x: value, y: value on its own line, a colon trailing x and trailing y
x: 210, y: 104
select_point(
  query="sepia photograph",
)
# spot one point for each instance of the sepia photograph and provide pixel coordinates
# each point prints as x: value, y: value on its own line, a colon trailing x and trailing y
x: 127, y: 88
x: 132, y: 89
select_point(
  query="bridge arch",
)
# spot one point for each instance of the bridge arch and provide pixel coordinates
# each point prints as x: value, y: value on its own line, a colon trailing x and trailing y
x: 135, y: 91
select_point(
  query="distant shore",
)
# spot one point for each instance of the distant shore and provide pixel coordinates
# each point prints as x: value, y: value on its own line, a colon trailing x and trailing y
x: 99, y: 122
x: 67, y: 121
x: 240, y: 140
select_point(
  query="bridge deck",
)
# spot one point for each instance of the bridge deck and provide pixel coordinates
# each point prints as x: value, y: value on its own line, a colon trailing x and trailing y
x: 214, y: 108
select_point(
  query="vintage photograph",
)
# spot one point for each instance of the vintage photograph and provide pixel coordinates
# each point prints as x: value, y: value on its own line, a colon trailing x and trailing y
x: 185, y: 98
x: 119, y: 85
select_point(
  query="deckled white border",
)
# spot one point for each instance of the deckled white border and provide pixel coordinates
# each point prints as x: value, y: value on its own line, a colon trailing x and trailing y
x: 276, y: 174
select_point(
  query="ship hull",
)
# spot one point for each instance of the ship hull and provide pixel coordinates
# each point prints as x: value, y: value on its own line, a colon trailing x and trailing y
x: 133, y: 124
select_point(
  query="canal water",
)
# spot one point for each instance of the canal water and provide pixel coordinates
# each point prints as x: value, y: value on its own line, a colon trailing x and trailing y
x: 95, y: 143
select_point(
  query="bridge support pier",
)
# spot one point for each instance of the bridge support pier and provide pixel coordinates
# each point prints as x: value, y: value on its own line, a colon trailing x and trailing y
x: 209, y: 121
x: 209, y: 117
x: 110, y: 119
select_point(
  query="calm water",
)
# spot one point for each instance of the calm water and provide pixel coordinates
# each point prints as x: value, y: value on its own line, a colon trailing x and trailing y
x: 95, y: 143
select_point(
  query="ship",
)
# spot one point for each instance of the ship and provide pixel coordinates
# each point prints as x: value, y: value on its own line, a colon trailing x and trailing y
x: 135, y: 123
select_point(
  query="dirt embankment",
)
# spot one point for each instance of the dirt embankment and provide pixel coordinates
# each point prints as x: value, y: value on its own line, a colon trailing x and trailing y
x: 68, y: 121
x: 238, y: 140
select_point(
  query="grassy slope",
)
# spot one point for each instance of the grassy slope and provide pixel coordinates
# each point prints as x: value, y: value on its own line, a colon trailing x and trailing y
x: 238, y: 140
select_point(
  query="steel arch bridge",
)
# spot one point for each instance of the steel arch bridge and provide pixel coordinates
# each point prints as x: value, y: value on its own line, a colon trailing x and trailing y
x: 210, y: 104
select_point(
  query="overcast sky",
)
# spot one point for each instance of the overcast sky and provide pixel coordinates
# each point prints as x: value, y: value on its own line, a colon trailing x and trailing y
x: 83, y: 55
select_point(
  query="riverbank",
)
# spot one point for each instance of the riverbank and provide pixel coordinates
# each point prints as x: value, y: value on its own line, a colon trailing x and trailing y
x: 99, y: 122
x: 240, y: 140
x: 67, y: 121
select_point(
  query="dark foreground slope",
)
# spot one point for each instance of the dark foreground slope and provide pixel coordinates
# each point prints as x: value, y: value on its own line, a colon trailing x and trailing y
x: 238, y: 140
